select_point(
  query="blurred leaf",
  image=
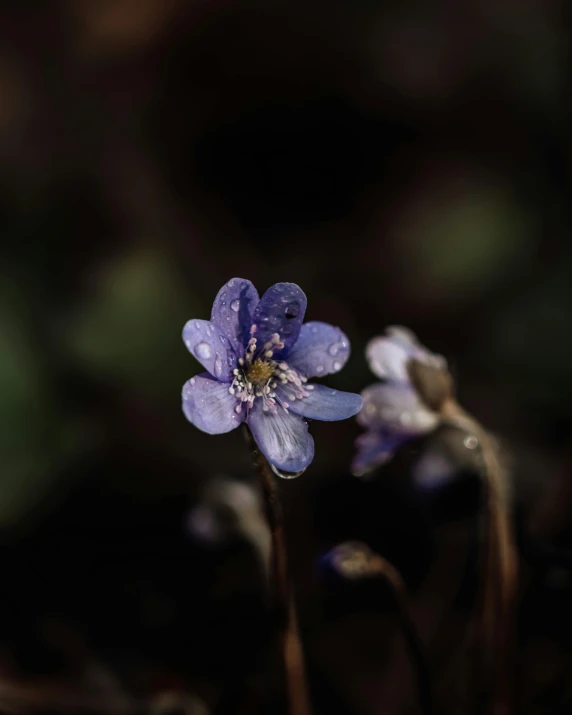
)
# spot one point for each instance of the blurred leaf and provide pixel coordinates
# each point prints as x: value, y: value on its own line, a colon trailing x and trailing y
x: 130, y: 328
x: 461, y: 239
x: 528, y: 341
x: 35, y: 437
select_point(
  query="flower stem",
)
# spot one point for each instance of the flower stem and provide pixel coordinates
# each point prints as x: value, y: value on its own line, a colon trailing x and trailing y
x: 282, y: 600
x: 359, y: 561
x: 494, y: 622
x: 409, y: 630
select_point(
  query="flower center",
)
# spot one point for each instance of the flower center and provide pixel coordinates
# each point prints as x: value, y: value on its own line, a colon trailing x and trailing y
x: 260, y: 371
x: 258, y: 377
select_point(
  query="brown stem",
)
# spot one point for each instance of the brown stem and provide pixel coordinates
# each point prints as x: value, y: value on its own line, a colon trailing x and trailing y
x: 281, y: 594
x: 494, y: 630
x: 359, y: 561
x: 393, y: 577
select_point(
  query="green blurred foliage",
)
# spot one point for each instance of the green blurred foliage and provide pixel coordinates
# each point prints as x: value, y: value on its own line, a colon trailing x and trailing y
x: 528, y: 341
x: 464, y: 240
x: 36, y: 436
x: 129, y: 329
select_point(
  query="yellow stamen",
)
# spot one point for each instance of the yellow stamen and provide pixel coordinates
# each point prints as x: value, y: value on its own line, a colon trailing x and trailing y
x: 260, y: 372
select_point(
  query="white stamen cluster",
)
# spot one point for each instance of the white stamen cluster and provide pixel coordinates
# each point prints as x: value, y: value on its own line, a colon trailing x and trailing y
x: 259, y: 376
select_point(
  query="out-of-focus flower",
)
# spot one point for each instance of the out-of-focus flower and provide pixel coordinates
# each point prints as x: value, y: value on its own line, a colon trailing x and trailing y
x: 351, y: 560
x: 404, y: 405
x: 227, y: 508
x: 259, y: 356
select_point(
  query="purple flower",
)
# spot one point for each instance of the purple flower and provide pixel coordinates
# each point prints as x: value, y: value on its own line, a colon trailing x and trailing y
x: 259, y: 356
x: 393, y: 411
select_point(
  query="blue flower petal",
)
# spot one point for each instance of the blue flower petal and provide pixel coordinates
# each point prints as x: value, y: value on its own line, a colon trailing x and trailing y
x: 396, y: 406
x: 233, y: 310
x: 211, y: 347
x: 209, y: 406
x: 322, y: 403
x: 321, y: 349
x: 280, y: 310
x: 282, y: 438
x: 388, y: 356
x: 375, y: 448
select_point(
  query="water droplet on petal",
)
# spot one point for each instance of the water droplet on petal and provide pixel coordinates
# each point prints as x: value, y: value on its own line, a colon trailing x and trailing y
x: 333, y: 349
x: 197, y: 325
x: 231, y: 283
x: 319, y: 369
x: 203, y: 351
x: 192, y: 380
x: 337, y: 365
x: 314, y: 329
x: 292, y: 309
x: 286, y: 475
x: 218, y: 366
x: 235, y: 305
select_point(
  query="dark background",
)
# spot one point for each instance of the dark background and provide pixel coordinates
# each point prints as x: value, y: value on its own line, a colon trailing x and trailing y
x: 403, y: 163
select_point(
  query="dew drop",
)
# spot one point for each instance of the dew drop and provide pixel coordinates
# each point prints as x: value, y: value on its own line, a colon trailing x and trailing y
x: 231, y: 283
x: 192, y: 380
x: 333, y: 349
x: 337, y: 365
x: 203, y: 351
x: 319, y: 369
x: 235, y: 305
x: 197, y: 325
x: 471, y: 442
x: 218, y: 366
x: 222, y: 339
x: 292, y: 310
x: 286, y: 475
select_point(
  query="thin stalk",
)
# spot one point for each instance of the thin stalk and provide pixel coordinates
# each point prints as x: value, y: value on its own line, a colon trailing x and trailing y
x: 281, y: 594
x: 359, y: 561
x: 494, y: 622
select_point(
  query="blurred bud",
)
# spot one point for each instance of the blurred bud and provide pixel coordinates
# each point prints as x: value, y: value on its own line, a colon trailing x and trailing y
x: 228, y: 509
x: 351, y: 560
x: 172, y: 703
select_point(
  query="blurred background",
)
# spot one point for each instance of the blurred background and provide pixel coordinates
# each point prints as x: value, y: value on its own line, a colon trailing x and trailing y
x: 404, y: 163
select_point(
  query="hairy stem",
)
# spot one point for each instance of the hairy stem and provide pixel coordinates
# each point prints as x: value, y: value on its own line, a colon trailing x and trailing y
x: 494, y: 623
x: 358, y: 561
x: 282, y: 599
